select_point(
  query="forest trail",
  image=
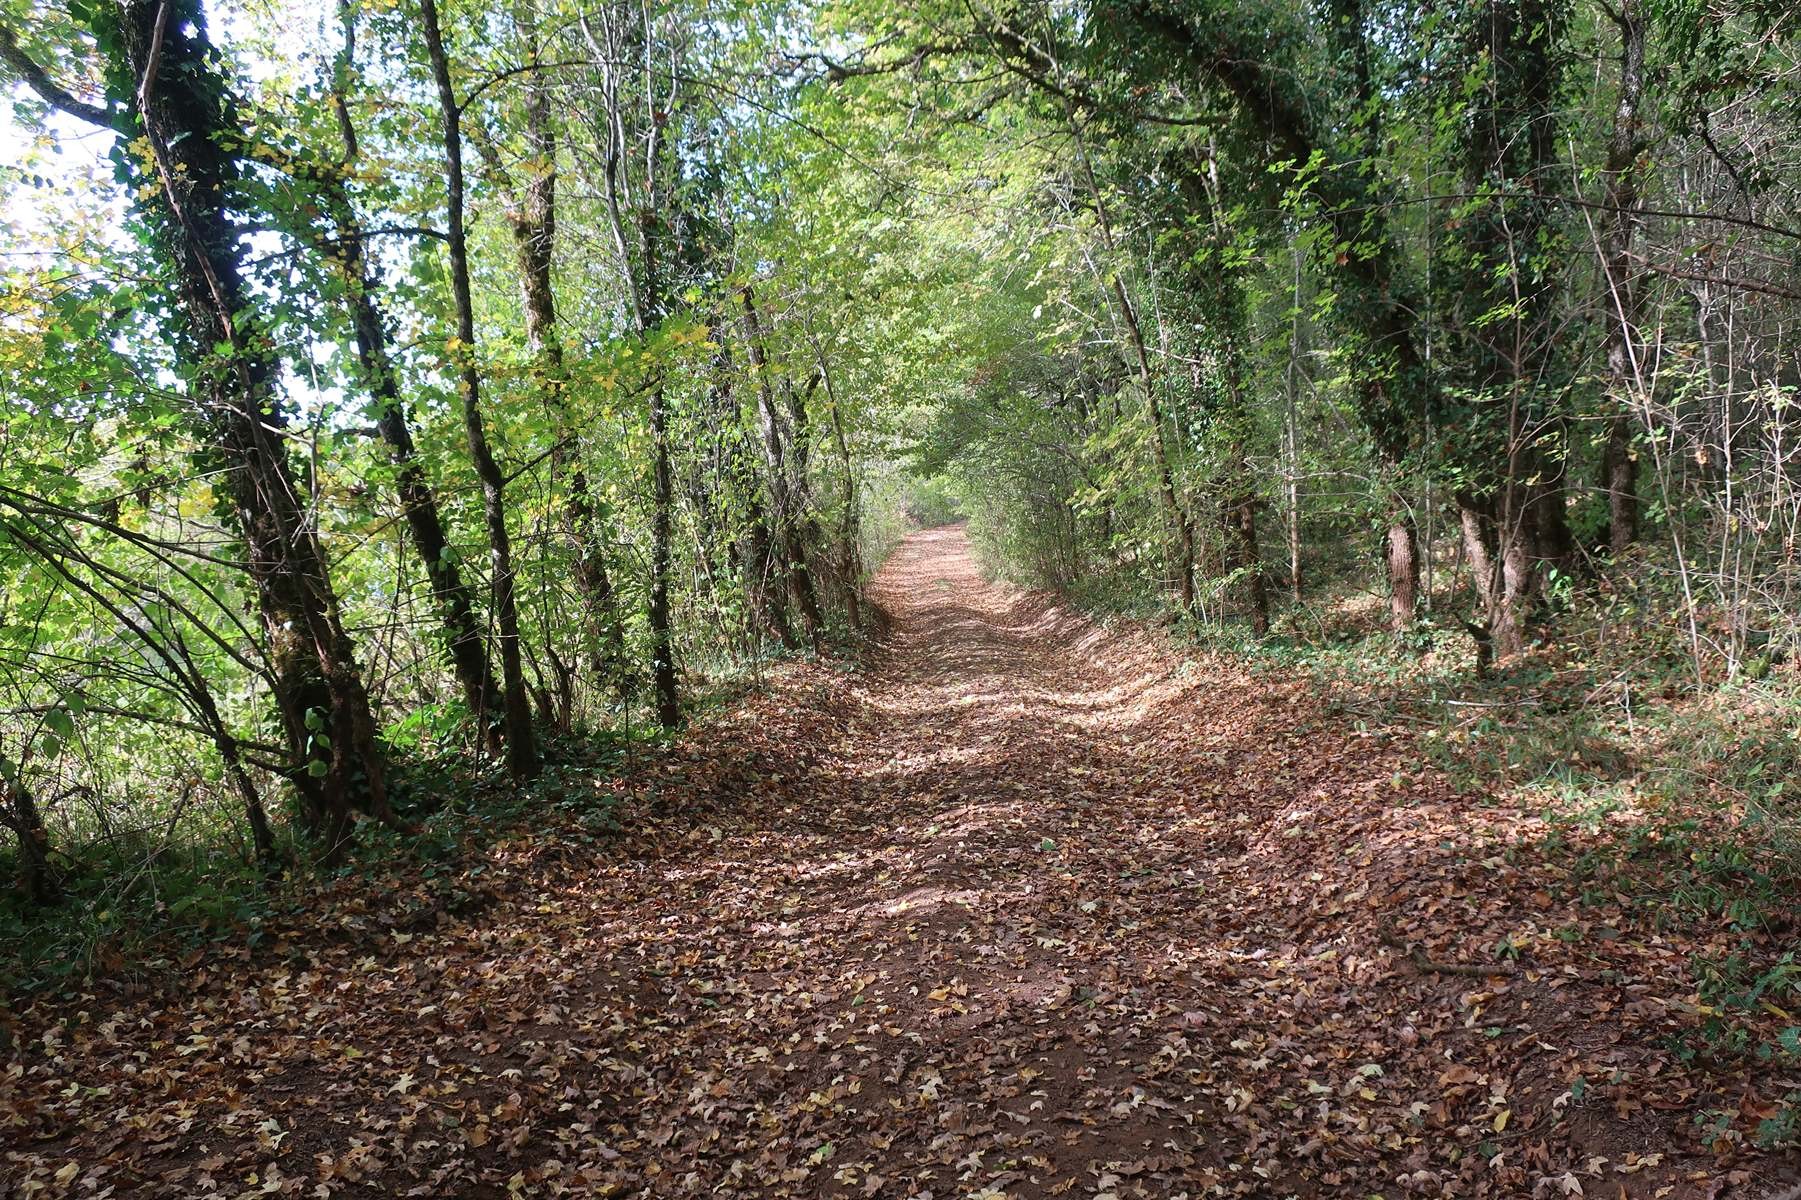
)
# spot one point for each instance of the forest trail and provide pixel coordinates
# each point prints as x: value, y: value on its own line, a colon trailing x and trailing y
x: 1027, y: 909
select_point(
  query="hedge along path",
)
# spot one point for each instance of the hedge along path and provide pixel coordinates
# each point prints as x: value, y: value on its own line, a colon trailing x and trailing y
x: 1025, y: 908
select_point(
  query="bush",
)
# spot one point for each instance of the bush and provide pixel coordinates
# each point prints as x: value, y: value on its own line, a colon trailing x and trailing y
x: 933, y: 502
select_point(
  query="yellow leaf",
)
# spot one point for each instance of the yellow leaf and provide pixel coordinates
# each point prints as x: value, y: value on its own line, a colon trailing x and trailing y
x: 1501, y: 1119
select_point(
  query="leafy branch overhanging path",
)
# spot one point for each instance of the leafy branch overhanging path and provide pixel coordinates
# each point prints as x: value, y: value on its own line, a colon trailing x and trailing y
x: 1029, y: 909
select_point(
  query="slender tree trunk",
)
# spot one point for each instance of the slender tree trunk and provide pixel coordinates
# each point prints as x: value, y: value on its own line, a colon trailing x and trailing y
x: 185, y: 117
x: 1625, y: 147
x: 1551, y: 541
x: 1291, y: 428
x: 768, y: 609
x: 1401, y: 548
x: 783, y: 501
x: 1241, y: 530
x: 1173, y: 508
x: 1497, y: 547
x: 522, y: 747
x: 662, y: 552
x: 1240, y: 509
x: 1181, y: 522
x: 669, y: 709
x: 850, y: 553
x: 1403, y: 574
x: 707, y: 483
x: 799, y: 446
x: 231, y: 754
x: 737, y: 472
x: 532, y: 216
x: 1503, y: 296
x: 628, y: 43
x: 451, y: 597
x: 1518, y: 587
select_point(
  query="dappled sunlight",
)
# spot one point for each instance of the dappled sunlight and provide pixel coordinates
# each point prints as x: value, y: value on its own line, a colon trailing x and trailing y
x: 1026, y: 891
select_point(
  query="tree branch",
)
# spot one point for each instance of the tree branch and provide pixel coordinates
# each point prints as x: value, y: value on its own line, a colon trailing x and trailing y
x: 48, y: 90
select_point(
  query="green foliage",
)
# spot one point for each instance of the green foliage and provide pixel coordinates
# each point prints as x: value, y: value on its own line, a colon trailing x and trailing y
x: 932, y: 502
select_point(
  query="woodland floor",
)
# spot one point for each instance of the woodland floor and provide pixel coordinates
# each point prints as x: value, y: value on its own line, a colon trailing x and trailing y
x: 1024, y: 909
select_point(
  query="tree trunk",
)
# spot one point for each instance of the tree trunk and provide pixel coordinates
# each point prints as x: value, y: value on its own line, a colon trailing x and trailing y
x: 1173, y: 508
x: 737, y: 476
x: 1549, y: 535
x: 231, y: 754
x: 1500, y: 553
x: 669, y: 710
x: 37, y: 878
x: 1501, y: 299
x: 531, y: 215
x: 1403, y: 574
x: 656, y: 206
x: 1625, y: 147
x: 850, y: 552
x: 452, y: 598
x: 522, y: 746
x: 768, y: 610
x: 788, y: 528
x: 186, y: 119
x: 1241, y: 530
x: 1291, y: 429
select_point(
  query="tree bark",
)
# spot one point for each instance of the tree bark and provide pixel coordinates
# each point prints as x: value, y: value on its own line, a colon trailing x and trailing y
x: 1500, y: 302
x: 181, y: 106
x: 452, y: 598
x: 1403, y: 574
x: 1173, y: 507
x: 1625, y: 147
x: 736, y: 474
x: 37, y: 878
x: 669, y: 711
x: 1241, y: 529
x: 532, y: 218
x: 629, y: 44
x: 1497, y: 547
x: 850, y: 552
x: 1291, y: 430
x: 783, y: 501
x: 522, y: 747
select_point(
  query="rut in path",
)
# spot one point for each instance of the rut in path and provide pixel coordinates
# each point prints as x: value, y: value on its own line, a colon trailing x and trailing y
x: 1026, y: 909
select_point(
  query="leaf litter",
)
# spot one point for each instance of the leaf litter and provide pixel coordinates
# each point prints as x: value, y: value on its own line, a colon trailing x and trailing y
x: 1028, y: 908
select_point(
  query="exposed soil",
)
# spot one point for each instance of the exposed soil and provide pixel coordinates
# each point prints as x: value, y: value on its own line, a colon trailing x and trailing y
x: 1027, y: 908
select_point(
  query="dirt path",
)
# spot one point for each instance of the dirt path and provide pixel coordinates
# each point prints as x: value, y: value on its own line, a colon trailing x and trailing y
x: 1026, y: 910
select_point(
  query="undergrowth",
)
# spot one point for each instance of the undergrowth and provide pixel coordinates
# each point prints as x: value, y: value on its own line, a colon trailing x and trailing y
x: 130, y: 908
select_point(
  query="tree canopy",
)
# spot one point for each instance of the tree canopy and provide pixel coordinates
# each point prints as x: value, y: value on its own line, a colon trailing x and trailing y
x: 407, y: 391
